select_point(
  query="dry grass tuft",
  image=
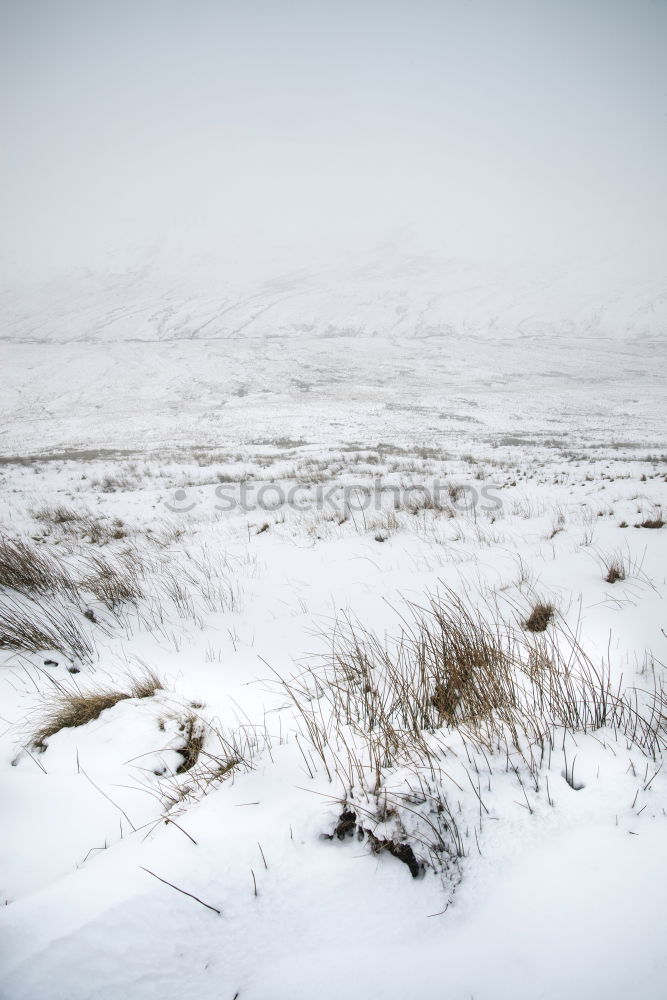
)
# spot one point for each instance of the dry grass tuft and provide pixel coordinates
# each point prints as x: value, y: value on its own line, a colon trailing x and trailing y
x: 58, y: 514
x: 26, y: 569
x: 74, y: 708
x: 615, y: 571
x: 540, y: 616
x: 456, y: 676
x: 618, y: 565
x: 425, y: 500
x: 452, y: 667
x: 146, y: 685
x: 114, y: 584
x: 37, y: 625
x: 210, y: 756
x: 81, y: 524
x: 70, y: 708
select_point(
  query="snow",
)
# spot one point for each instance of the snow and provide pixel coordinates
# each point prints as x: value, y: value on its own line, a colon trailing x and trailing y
x: 392, y: 291
x: 333, y: 345
x: 559, y: 890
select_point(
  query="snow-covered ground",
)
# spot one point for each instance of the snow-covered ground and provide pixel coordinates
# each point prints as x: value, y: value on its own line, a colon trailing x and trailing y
x: 332, y: 513
x: 406, y: 348
x: 389, y: 291
x: 379, y: 479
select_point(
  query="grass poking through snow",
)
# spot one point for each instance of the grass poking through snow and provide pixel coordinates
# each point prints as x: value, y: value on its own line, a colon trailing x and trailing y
x: 540, y: 616
x: 69, y: 708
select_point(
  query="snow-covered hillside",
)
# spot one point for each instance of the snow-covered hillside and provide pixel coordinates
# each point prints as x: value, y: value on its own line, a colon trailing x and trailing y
x: 388, y: 347
x: 390, y: 292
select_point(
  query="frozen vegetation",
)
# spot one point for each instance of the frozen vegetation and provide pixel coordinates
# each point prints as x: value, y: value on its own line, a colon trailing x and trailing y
x: 392, y: 713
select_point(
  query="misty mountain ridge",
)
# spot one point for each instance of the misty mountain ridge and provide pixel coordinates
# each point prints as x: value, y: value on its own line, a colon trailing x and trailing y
x: 392, y: 290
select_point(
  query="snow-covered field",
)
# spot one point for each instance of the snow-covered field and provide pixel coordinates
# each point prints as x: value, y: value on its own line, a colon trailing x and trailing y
x: 400, y: 348
x: 333, y: 557
x: 303, y: 567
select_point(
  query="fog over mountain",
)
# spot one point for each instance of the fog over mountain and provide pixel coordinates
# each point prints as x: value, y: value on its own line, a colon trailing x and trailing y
x: 502, y: 159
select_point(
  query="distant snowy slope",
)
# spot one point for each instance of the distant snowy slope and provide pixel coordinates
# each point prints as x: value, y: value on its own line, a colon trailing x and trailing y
x: 390, y: 293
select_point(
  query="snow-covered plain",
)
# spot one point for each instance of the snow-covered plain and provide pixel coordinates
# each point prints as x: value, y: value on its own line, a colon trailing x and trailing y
x: 393, y: 346
x: 542, y: 861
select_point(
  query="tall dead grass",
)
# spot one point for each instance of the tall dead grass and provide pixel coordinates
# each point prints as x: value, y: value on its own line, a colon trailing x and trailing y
x: 39, y: 624
x: 27, y: 569
x: 454, y: 675
x: 453, y: 666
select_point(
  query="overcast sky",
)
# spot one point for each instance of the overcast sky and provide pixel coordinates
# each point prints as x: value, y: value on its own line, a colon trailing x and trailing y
x: 493, y: 128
